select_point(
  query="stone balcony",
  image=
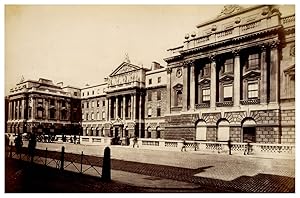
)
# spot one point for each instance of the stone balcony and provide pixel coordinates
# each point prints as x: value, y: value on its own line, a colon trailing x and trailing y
x: 202, y: 105
x: 224, y: 104
x: 250, y: 101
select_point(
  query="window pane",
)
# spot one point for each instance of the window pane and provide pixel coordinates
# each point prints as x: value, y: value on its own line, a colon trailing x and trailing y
x: 227, y: 91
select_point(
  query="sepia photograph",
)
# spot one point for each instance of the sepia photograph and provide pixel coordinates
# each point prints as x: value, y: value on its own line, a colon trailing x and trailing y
x: 133, y: 98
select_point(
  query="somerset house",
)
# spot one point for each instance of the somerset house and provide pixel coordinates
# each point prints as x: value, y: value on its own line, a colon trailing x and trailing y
x: 231, y: 78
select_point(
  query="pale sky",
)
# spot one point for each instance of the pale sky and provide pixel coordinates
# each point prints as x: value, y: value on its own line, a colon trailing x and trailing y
x: 84, y: 44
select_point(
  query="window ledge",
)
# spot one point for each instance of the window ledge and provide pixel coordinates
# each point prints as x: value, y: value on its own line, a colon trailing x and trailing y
x: 250, y: 101
x: 202, y: 105
x: 224, y: 104
x: 176, y: 108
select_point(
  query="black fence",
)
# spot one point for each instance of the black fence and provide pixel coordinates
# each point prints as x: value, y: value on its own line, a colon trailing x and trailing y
x: 61, y: 160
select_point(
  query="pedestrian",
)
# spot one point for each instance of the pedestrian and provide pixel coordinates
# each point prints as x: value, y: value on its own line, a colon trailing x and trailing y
x: 18, y: 143
x: 31, y: 145
x: 247, y: 149
x: 229, y: 146
x: 135, y: 142
x: 11, y: 139
x: 183, y: 145
x: 75, y: 138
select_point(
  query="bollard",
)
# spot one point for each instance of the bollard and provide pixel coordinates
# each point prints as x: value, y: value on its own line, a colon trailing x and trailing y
x: 106, y: 175
x: 81, y: 159
x: 62, y: 158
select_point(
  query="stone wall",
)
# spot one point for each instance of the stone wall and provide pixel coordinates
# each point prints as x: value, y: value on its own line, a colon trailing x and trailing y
x: 154, y: 103
x: 235, y: 134
x: 288, y: 126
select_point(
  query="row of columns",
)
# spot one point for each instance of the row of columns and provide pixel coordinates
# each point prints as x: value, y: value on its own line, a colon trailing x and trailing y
x: 189, y: 87
x: 14, y: 108
x: 133, y: 101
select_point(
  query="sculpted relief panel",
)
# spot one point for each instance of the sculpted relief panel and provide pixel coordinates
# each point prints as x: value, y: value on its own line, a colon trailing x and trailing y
x: 124, y: 78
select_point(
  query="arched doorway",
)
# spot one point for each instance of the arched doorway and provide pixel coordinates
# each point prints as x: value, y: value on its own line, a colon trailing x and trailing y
x: 158, y: 132
x: 201, y: 130
x: 149, y: 132
x: 249, y: 130
x: 223, y: 131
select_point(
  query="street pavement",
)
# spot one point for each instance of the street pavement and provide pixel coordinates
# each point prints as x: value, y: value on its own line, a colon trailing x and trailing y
x: 190, y: 170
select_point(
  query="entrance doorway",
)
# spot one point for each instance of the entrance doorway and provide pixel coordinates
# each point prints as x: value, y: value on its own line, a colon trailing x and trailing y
x: 249, y: 134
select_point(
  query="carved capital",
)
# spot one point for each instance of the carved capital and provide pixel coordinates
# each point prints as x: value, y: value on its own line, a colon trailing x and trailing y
x: 274, y: 43
x: 212, y: 57
x: 236, y: 51
x: 169, y: 70
x: 188, y: 63
x: 263, y: 47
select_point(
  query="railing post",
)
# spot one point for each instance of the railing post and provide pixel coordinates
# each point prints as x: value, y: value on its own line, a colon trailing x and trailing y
x: 46, y: 156
x: 106, y: 176
x: 62, y: 158
x: 81, y: 159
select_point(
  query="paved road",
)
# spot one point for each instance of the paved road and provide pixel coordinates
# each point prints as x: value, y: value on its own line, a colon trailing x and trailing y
x: 227, y: 173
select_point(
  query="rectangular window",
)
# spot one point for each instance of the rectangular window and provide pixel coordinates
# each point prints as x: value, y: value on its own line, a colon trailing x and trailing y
x: 93, y: 117
x: 87, y: 104
x: 228, y: 66
x: 103, y: 115
x: 93, y: 104
x: 158, y: 79
x: 158, y: 111
x: 40, y: 113
x: 149, y: 112
x: 82, y: 116
x: 149, y: 96
x: 64, y: 115
x: 227, y: 92
x: 103, y: 103
x: 82, y: 105
x: 63, y: 104
x: 75, y: 93
x: 253, y: 61
x: 253, y: 90
x: 52, y: 114
x: 93, y: 92
x: 205, y: 95
x: 82, y: 93
x: 88, y: 93
x: 87, y: 116
x: 98, y: 116
x: 98, y: 103
x: 29, y: 112
x: 150, y: 81
x: 158, y: 95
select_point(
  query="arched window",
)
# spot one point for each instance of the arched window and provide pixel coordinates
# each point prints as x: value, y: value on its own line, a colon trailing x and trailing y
x: 249, y: 130
x: 201, y: 130
x: 158, y: 132
x: 223, y: 131
x: 149, y: 132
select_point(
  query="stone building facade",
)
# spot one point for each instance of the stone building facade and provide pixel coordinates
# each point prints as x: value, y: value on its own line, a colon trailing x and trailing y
x: 43, y: 107
x: 232, y: 79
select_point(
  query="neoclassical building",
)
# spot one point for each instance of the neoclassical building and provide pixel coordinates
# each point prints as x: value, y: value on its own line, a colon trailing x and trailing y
x: 232, y: 78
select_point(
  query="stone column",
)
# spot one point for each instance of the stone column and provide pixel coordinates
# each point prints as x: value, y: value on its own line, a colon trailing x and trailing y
x: 192, y: 86
x: 168, y: 109
x: 18, y: 107
x: 237, y: 79
x: 274, y: 71
x: 14, y: 110
x: 9, y: 110
x: 140, y: 115
x: 23, y: 109
x: 213, y: 81
x: 263, y: 82
x: 117, y: 107
x: 124, y: 107
x: 47, y: 109
x: 108, y: 109
x: 185, y: 87
x: 132, y: 106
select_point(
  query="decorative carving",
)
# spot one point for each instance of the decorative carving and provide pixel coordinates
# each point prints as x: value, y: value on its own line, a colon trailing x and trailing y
x: 274, y: 43
x: 265, y: 11
x: 237, y: 20
x: 230, y: 9
x: 212, y: 57
x: 236, y: 51
x: 292, y: 50
x: 179, y: 73
x: 213, y: 28
x: 263, y: 47
x: 169, y: 70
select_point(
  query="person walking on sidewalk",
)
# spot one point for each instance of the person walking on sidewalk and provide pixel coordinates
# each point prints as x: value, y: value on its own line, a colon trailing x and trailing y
x: 135, y: 142
x: 18, y: 143
x: 183, y: 145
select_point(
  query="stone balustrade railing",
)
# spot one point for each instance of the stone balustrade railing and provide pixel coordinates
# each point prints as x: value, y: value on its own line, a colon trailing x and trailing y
x: 236, y: 31
x: 288, y: 20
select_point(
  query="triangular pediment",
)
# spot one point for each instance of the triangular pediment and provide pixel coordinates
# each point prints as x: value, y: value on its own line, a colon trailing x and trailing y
x: 226, y: 77
x: 124, y: 68
x: 204, y: 81
x: 251, y: 74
